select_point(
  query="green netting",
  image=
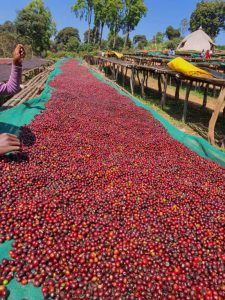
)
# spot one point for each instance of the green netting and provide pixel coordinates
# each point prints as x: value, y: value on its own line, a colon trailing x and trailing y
x: 10, y: 122
x: 156, y: 53
x: 196, y: 144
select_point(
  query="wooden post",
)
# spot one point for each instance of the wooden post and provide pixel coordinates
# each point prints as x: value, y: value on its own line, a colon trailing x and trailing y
x: 214, y: 91
x: 177, y: 93
x: 184, y: 117
x: 146, y: 80
x: 214, y: 117
x: 205, y: 95
x: 159, y: 83
x: 114, y: 71
x: 142, y: 88
x: 164, y: 79
x: 123, y: 76
x: 132, y: 81
x: 138, y: 77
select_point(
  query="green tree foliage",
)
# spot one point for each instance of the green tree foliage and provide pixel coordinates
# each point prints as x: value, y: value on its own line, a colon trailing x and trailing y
x: 84, y: 9
x: 35, y: 23
x: 66, y: 33
x: 140, y: 41
x: 89, y: 38
x: 72, y: 44
x: 134, y: 10
x: 172, y: 44
x: 158, y: 38
x: 210, y: 15
x: 7, y: 44
x: 8, y: 27
x: 114, y: 21
x: 115, y: 42
x: 67, y: 39
x: 172, y: 33
x: 184, y: 25
x: 101, y: 12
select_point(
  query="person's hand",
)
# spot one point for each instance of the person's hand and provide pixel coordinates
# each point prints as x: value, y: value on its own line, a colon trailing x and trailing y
x: 9, y: 143
x: 18, y: 55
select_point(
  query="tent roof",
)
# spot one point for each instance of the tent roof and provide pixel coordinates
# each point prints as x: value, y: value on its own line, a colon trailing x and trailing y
x: 197, y: 40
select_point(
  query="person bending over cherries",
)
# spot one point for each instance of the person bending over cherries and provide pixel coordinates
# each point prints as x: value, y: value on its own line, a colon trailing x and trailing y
x: 10, y: 142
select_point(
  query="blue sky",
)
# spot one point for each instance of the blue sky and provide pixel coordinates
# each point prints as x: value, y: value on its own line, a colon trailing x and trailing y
x: 161, y: 13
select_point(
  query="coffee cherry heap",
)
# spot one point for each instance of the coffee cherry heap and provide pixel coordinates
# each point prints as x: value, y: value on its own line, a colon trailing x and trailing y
x: 106, y: 205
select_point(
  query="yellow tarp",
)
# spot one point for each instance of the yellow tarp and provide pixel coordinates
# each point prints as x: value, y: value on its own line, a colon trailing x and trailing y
x: 181, y: 65
x: 110, y: 53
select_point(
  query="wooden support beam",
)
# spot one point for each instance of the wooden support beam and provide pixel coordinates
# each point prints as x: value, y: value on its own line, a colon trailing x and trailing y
x: 138, y: 77
x: 132, y: 81
x: 142, y: 88
x: 212, y: 122
x: 189, y: 86
x: 123, y: 76
x: 205, y: 95
x: 159, y: 84
x: 164, y: 80
x: 177, y: 93
x: 146, y: 80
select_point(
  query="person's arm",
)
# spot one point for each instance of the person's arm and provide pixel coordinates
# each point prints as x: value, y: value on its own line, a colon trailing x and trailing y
x: 13, y: 85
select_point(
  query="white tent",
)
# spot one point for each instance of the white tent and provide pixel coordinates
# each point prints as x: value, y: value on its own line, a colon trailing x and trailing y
x: 197, y: 40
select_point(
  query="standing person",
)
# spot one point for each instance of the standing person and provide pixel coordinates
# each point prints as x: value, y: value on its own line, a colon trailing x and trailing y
x: 203, y: 53
x: 10, y: 142
x: 207, y: 55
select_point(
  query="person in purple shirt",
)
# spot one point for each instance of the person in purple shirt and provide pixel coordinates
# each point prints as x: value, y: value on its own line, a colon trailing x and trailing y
x: 10, y: 142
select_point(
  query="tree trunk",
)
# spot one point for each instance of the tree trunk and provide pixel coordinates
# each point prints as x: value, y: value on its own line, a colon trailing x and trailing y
x: 100, y: 41
x: 126, y: 39
x: 89, y: 26
x: 114, y: 38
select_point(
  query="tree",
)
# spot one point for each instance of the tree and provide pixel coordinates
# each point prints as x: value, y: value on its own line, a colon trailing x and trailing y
x: 35, y: 23
x: 158, y: 38
x: 134, y: 10
x: 65, y: 34
x: 173, y: 43
x: 8, y: 27
x: 72, y: 44
x: 184, y: 25
x: 101, y: 12
x: 210, y: 15
x: 89, y: 36
x: 7, y: 44
x: 115, y: 42
x: 139, y: 38
x: 114, y: 20
x: 172, y: 33
x: 84, y: 9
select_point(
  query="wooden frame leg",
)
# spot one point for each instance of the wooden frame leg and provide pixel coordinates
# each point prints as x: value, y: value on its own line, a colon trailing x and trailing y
x: 132, y: 82
x: 159, y: 84
x: 189, y: 86
x: 177, y: 93
x: 212, y: 122
x: 205, y: 95
x: 164, y: 79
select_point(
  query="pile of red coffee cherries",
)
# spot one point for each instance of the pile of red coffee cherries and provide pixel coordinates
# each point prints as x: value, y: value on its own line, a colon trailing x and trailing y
x: 103, y: 204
